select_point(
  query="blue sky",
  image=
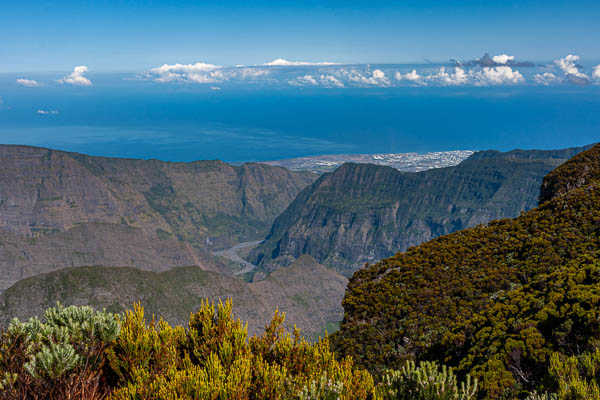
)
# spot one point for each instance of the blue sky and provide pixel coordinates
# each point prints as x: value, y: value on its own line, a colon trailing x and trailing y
x: 139, y: 35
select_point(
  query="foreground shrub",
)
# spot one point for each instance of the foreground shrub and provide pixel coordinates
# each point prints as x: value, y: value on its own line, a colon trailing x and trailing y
x: 542, y: 396
x: 426, y: 382
x: 78, y: 353
x: 214, y: 359
x: 577, y: 377
x: 59, y: 358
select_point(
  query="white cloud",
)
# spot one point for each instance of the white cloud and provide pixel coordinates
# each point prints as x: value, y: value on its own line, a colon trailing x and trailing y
x: 569, y: 67
x: 459, y: 77
x: 503, y: 58
x: 411, y: 76
x: 378, y: 74
x: 76, y: 77
x: 499, y: 76
x: 331, y: 81
x: 547, y: 78
x: 47, y: 112
x: 217, y: 75
x: 303, y: 81
x: 28, y: 82
x: 376, y: 78
x: 596, y: 73
x: 280, y: 62
x: 196, y: 73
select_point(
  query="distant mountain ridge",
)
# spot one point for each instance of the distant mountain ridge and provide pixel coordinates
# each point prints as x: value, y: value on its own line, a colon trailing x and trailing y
x: 362, y: 213
x: 60, y: 209
x: 562, y: 154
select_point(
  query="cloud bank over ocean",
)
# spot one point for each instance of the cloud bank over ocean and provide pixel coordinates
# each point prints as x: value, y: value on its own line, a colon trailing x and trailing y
x: 489, y: 70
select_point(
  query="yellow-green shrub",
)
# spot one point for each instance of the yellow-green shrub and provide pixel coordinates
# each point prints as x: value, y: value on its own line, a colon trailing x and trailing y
x: 427, y: 381
x: 577, y: 377
x: 214, y: 359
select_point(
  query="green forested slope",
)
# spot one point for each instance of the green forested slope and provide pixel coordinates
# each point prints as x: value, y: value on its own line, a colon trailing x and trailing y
x: 309, y: 293
x: 484, y: 298
x: 579, y: 171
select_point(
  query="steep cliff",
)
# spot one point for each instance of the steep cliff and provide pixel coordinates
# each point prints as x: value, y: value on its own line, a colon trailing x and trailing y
x: 60, y: 209
x: 362, y: 213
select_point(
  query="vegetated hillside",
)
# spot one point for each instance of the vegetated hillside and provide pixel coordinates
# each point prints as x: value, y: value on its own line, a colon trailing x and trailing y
x: 307, y: 292
x: 579, y: 172
x: 363, y: 213
x: 495, y: 301
x: 155, y: 214
x: 95, y: 243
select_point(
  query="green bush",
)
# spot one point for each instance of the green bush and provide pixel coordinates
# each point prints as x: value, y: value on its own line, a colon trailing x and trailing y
x: 323, y: 389
x: 510, y: 344
x: 542, y: 396
x: 426, y: 382
x: 577, y: 377
x: 63, y: 355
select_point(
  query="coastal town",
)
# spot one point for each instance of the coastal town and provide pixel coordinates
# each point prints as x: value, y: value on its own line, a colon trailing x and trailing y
x: 409, y: 162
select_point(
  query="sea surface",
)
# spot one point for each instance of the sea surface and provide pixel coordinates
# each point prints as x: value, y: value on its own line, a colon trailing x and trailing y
x: 125, y: 117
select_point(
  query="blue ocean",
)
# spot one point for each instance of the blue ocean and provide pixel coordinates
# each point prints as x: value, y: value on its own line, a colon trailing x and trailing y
x: 122, y: 116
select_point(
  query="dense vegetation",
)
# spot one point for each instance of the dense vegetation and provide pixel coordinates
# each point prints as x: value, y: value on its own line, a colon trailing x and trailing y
x: 578, y: 172
x: 499, y: 302
x: 78, y: 353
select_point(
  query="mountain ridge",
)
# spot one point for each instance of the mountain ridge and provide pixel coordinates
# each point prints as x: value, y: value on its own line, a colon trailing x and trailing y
x: 362, y: 213
x: 53, y: 203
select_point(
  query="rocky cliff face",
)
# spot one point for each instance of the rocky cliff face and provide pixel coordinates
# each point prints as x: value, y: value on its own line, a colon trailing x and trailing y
x: 61, y: 209
x: 362, y: 213
x: 310, y: 294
